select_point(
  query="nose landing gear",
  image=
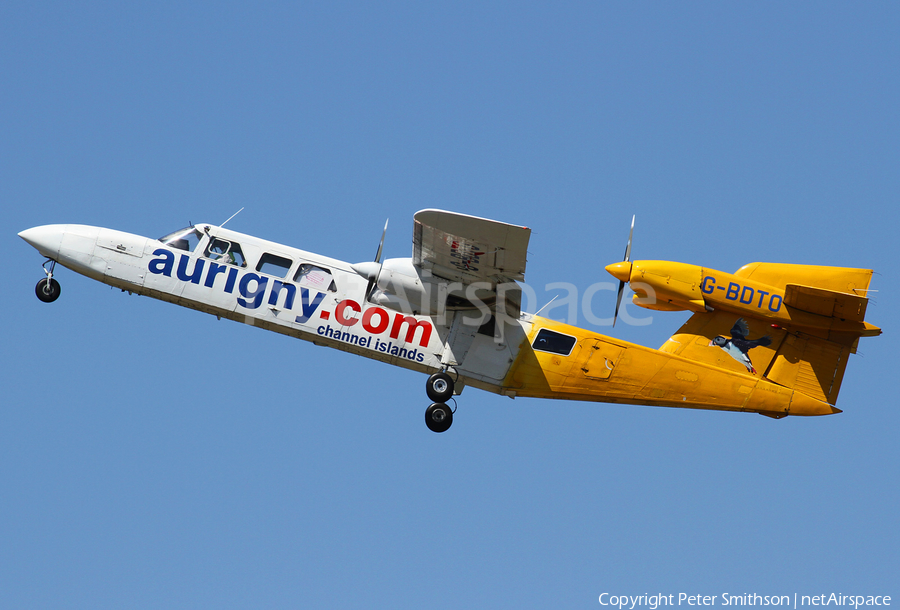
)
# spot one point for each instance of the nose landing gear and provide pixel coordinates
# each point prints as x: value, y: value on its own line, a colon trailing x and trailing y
x: 47, y: 289
x: 439, y: 387
x: 439, y: 416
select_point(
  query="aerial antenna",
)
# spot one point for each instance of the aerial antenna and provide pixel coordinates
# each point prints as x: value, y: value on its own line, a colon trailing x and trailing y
x: 538, y: 312
x: 232, y: 216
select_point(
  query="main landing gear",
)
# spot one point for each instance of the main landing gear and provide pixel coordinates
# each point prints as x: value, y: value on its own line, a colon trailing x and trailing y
x: 47, y: 290
x: 439, y: 416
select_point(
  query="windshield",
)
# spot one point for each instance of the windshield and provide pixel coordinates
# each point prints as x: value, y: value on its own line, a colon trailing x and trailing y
x: 183, y: 239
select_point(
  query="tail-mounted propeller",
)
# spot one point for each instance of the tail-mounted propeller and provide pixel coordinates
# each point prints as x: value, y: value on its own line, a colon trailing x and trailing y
x: 622, y: 271
x: 372, y: 270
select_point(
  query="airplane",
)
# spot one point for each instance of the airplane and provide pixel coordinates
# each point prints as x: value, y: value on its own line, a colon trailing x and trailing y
x: 771, y: 338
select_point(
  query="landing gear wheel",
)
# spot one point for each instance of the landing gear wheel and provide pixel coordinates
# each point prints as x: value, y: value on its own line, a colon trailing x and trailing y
x: 439, y: 387
x: 438, y: 417
x: 47, y: 290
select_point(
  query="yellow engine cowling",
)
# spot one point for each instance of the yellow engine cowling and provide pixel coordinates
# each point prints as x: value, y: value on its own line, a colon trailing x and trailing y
x: 830, y: 302
x: 663, y: 285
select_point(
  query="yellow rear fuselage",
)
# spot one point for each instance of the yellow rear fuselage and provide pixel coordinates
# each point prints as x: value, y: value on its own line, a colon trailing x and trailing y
x: 604, y: 369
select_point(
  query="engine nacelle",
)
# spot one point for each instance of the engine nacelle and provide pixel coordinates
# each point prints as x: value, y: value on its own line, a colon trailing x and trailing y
x: 402, y: 287
x: 663, y: 285
x: 791, y: 296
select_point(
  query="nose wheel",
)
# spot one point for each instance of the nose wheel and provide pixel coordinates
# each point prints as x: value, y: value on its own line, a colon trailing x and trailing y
x: 439, y: 416
x: 439, y: 387
x: 47, y: 290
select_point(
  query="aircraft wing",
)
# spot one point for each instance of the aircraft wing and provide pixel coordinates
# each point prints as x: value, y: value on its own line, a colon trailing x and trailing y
x: 468, y: 249
x: 471, y: 250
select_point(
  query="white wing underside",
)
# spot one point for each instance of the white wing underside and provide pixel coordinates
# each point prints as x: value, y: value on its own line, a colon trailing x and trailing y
x: 485, y: 257
x: 467, y: 249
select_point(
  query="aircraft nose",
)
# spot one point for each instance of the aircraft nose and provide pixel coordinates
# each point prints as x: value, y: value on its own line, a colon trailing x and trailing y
x: 46, y: 239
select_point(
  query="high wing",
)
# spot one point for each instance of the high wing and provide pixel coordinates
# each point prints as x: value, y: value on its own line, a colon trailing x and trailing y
x: 469, y: 250
x: 466, y: 249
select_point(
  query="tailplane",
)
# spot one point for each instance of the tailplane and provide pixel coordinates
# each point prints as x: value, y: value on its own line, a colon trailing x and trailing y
x: 807, y: 349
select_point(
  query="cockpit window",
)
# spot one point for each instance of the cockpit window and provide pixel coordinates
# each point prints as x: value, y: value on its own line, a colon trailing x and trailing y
x: 226, y: 252
x: 553, y: 342
x: 272, y: 264
x: 184, y: 239
x: 315, y: 277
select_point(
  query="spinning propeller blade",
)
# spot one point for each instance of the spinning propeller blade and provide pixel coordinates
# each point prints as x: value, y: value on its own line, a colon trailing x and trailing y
x: 373, y: 281
x: 624, y: 272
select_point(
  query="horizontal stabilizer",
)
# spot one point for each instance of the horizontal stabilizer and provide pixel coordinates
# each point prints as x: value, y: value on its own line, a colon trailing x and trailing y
x: 826, y: 302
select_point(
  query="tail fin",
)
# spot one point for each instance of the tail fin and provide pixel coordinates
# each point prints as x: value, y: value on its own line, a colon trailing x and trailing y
x: 813, y: 362
x: 810, y: 365
x: 810, y: 359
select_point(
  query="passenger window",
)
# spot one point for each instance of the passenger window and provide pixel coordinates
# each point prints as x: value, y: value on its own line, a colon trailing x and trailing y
x: 272, y: 264
x: 225, y: 252
x: 553, y: 342
x: 184, y: 239
x: 315, y: 277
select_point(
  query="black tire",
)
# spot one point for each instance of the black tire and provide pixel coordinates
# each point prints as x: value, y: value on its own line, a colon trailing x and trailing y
x: 439, y: 387
x: 47, y: 290
x: 438, y: 417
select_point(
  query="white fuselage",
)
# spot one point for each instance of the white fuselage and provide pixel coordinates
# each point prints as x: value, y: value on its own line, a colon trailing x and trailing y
x: 279, y: 288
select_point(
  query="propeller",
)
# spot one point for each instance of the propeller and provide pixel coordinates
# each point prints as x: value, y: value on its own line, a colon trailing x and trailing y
x: 622, y: 271
x: 372, y: 270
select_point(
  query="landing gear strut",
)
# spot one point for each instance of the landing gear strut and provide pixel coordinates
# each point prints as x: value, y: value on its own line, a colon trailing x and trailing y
x: 439, y: 416
x: 47, y: 290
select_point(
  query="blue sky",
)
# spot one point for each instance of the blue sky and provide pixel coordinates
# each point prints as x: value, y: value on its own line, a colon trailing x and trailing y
x: 151, y: 456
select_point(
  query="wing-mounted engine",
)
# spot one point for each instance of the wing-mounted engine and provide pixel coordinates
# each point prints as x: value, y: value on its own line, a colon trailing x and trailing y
x: 403, y: 286
x: 829, y: 299
x: 459, y: 262
x: 662, y: 285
